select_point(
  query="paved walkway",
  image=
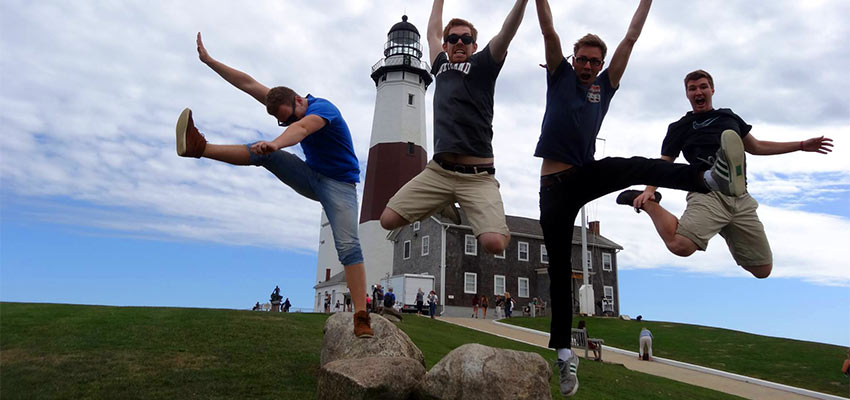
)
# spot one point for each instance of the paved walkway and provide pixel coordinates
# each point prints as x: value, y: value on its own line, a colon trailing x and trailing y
x: 665, y: 368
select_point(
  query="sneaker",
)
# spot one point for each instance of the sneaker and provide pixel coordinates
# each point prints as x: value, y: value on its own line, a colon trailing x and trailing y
x: 568, y: 375
x: 452, y: 213
x: 728, y: 171
x: 190, y: 142
x: 362, y: 328
x: 627, y: 198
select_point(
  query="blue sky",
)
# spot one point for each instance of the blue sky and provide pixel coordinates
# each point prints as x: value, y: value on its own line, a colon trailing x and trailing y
x: 96, y: 208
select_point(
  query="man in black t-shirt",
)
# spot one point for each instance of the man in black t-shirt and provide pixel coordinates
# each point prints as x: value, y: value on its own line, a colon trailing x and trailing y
x: 698, y: 135
x: 462, y: 169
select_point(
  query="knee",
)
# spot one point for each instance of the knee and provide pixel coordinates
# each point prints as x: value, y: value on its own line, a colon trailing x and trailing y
x: 681, y: 246
x: 760, y: 271
x: 391, y: 219
x: 494, y: 242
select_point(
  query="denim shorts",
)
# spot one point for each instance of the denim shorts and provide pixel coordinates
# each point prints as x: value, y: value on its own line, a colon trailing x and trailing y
x: 339, y: 199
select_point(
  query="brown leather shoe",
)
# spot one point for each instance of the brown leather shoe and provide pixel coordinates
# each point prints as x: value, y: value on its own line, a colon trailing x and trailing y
x: 362, y: 328
x: 190, y: 142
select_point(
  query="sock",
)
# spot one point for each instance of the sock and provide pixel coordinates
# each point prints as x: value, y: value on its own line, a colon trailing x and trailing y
x: 565, y: 354
x: 709, y: 181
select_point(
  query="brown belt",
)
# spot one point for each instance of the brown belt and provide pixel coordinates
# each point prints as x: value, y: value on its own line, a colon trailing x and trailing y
x: 558, y: 177
x: 466, y: 169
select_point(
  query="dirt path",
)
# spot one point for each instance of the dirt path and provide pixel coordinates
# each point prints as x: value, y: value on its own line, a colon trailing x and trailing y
x: 630, y: 361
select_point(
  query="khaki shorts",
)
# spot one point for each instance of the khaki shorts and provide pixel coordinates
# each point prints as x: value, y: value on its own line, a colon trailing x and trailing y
x: 734, y: 218
x: 435, y: 188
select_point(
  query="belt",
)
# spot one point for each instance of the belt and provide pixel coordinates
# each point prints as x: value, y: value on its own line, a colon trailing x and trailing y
x: 558, y: 177
x: 466, y: 169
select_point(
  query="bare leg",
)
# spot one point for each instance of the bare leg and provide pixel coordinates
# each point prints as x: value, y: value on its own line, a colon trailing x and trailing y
x: 235, y: 154
x: 355, y: 277
x: 666, y: 224
x: 494, y: 242
x: 760, y: 271
x: 391, y: 219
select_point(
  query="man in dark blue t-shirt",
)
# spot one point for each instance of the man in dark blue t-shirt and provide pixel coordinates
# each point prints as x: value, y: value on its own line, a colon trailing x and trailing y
x: 697, y: 136
x: 329, y: 175
x: 577, y: 100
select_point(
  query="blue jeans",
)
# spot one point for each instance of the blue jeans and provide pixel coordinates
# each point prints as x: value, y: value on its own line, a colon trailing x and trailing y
x: 339, y: 199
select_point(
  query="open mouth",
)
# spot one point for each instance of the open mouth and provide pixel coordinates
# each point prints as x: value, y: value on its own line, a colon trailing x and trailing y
x: 700, y: 101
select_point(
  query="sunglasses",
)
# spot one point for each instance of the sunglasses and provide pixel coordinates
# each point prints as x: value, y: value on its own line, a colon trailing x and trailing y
x: 453, y: 38
x: 292, y: 118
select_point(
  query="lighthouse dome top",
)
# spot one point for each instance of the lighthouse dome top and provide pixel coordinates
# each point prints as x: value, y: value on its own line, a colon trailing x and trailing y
x: 403, y: 39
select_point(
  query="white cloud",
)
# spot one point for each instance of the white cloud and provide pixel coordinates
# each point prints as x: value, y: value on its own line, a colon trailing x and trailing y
x: 89, y: 94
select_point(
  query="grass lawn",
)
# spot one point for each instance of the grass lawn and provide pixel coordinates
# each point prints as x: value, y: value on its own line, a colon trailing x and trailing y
x: 809, y: 365
x: 82, y: 352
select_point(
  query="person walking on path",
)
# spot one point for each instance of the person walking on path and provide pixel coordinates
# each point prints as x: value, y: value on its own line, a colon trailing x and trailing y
x: 328, y: 175
x: 509, y: 305
x: 475, y: 303
x: 698, y: 135
x: 484, y: 304
x: 432, y: 303
x: 462, y: 170
x: 420, y: 300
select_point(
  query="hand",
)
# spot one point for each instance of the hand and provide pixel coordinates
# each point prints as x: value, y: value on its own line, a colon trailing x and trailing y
x: 262, y: 148
x: 820, y: 145
x: 202, y: 51
x: 647, y: 195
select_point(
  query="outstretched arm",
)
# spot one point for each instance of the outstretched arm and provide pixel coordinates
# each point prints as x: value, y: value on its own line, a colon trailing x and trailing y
x: 822, y: 145
x: 624, y: 49
x: 293, y: 135
x: 435, y: 30
x: 551, y: 41
x: 241, y: 80
x: 649, y: 191
x: 499, y: 43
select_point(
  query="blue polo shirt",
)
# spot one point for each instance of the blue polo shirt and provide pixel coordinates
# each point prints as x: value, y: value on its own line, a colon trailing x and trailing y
x: 330, y: 151
x: 573, y: 116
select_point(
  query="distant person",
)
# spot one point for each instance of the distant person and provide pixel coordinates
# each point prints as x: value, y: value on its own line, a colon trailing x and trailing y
x: 432, y: 303
x: 377, y: 297
x: 348, y: 303
x: 475, y: 306
x: 639, y: 318
x: 286, y: 305
x: 369, y: 303
x: 389, y: 299
x: 328, y: 174
x: 597, y: 352
x: 420, y: 301
x: 256, y: 307
x: 509, y: 305
x: 276, y: 290
x: 484, y: 304
x: 337, y: 306
x: 645, y: 352
x: 845, y: 369
x: 500, y: 304
x: 328, y: 304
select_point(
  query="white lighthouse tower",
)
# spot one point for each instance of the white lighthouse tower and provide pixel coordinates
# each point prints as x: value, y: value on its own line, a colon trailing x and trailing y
x: 396, y: 154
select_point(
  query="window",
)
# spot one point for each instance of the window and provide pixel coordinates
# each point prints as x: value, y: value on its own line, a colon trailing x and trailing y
x: 499, y: 285
x: 544, y: 256
x: 410, y: 98
x: 471, y: 247
x: 500, y: 255
x: 608, y: 299
x: 406, y: 249
x: 606, y: 261
x: 589, y: 260
x: 522, y: 287
x: 416, y: 226
x: 426, y: 245
x: 523, y: 251
x: 470, y: 282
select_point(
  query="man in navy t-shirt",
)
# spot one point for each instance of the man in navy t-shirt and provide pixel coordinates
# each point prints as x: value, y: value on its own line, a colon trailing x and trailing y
x: 577, y: 100
x: 329, y: 175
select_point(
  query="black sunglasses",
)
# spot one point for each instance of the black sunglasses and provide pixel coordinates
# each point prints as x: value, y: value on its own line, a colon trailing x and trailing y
x: 453, y: 38
x: 292, y: 118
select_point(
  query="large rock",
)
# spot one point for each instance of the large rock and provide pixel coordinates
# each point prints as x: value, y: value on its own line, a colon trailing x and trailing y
x: 391, y: 314
x: 474, y: 371
x: 389, y: 341
x: 386, y: 378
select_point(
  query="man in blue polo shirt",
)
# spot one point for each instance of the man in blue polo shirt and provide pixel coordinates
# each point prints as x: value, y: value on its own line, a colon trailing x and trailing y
x: 577, y: 100
x: 329, y: 175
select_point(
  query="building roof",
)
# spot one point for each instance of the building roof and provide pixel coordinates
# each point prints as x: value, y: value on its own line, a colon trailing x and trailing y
x: 337, y: 279
x: 521, y: 226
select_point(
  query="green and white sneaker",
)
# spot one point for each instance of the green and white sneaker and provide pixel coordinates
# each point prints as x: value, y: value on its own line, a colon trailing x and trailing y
x: 568, y: 371
x: 729, y: 169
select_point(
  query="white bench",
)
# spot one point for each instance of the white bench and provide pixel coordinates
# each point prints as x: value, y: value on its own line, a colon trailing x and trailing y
x: 580, y: 340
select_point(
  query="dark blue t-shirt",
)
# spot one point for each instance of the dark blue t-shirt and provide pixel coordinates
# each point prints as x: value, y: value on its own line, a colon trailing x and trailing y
x: 697, y: 136
x: 329, y: 151
x: 573, y: 116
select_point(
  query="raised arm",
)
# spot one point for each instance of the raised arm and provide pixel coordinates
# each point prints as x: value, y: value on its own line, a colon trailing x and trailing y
x: 435, y: 30
x: 551, y: 41
x: 293, y: 135
x: 822, y: 145
x: 241, y: 80
x: 624, y: 49
x: 499, y: 43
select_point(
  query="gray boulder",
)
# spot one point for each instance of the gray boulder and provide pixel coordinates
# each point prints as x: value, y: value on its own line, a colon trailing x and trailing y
x: 474, y: 371
x: 391, y: 314
x: 387, y: 378
x: 389, y: 341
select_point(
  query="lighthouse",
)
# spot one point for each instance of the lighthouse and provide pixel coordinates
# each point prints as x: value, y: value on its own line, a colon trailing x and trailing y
x: 396, y: 154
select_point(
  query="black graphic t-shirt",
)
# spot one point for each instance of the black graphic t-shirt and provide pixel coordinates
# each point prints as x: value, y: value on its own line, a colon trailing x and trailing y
x: 463, y: 104
x: 697, y: 136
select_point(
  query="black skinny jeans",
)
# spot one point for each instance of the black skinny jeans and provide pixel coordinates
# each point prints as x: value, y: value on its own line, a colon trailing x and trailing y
x: 561, y: 202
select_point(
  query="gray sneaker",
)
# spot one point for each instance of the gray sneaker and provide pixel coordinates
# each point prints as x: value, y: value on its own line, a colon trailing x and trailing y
x: 729, y: 169
x: 568, y: 375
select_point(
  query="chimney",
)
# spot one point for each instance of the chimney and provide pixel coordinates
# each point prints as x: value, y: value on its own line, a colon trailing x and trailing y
x: 593, y: 226
x: 327, y: 274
